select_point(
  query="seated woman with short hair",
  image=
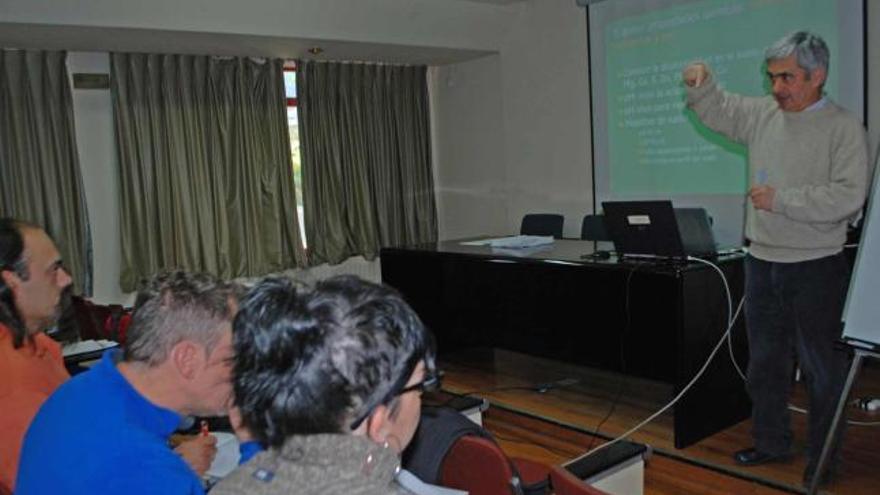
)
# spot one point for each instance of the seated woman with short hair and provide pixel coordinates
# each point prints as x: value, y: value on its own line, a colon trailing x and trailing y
x: 329, y: 380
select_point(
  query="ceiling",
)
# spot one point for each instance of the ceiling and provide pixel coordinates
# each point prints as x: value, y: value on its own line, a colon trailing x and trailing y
x: 80, y: 38
x: 499, y: 2
x: 96, y: 38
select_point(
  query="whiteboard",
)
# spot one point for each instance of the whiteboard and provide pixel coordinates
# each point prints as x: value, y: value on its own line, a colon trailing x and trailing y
x: 861, y: 315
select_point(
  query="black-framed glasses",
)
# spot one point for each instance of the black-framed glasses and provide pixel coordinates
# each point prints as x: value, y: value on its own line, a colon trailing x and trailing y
x: 430, y: 383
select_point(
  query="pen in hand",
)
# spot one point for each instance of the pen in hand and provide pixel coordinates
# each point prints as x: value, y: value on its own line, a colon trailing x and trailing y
x: 761, y: 177
x: 761, y: 194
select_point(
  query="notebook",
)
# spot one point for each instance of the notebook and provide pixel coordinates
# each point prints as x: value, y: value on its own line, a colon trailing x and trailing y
x: 653, y: 229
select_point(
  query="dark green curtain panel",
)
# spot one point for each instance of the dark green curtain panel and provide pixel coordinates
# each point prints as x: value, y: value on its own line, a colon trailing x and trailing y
x: 366, y: 156
x: 40, y: 178
x: 206, y: 176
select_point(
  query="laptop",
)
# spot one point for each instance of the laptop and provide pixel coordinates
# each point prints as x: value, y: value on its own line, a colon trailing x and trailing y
x: 653, y: 229
x: 695, y: 228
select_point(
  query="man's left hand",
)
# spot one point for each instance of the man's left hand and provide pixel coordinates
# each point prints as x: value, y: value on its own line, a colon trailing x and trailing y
x: 762, y: 197
x: 199, y: 452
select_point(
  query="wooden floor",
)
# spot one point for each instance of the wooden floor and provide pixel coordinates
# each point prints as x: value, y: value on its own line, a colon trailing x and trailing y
x: 557, y: 425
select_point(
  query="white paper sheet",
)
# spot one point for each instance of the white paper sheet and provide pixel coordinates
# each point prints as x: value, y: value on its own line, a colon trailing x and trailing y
x: 513, y: 242
x: 86, y: 346
x: 227, y: 455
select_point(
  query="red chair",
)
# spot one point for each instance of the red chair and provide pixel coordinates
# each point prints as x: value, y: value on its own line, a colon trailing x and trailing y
x: 479, y: 466
x: 98, y: 321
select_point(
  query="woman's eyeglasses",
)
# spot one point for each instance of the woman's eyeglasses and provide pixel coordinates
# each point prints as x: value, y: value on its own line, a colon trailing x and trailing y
x: 430, y: 383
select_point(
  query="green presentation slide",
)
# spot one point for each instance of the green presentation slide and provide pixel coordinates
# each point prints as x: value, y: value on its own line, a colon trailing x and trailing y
x: 656, y: 146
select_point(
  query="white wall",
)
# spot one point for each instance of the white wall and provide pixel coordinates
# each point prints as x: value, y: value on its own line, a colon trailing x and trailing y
x: 469, y: 148
x: 93, y: 118
x: 873, y: 90
x: 546, y: 113
x: 535, y: 94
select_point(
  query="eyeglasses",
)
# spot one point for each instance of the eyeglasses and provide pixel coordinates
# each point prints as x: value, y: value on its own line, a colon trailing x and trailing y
x: 430, y: 383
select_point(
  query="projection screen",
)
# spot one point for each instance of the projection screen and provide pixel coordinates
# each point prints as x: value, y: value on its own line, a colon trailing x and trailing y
x: 646, y: 145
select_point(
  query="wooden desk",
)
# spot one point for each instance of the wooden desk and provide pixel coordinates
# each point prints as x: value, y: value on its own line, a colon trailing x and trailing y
x: 657, y: 320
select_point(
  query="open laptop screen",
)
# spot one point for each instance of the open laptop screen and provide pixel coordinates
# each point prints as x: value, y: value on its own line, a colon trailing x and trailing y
x: 643, y: 228
x: 695, y: 230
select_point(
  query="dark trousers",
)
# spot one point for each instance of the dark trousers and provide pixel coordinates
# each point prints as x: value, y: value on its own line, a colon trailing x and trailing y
x: 794, y: 309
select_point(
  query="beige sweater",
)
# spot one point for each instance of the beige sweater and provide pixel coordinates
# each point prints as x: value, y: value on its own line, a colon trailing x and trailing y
x: 816, y: 160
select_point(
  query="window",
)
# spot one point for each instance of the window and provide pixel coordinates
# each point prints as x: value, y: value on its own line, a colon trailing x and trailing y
x: 293, y: 130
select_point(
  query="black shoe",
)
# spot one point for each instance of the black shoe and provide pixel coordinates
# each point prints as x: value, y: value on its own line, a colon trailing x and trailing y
x: 754, y: 457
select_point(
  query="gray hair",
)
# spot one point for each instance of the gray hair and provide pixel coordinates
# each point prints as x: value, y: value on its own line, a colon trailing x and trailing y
x: 175, y: 306
x: 809, y: 50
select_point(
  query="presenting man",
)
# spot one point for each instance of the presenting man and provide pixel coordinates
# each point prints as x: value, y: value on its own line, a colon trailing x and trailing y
x: 106, y: 430
x: 808, y: 172
x: 32, y: 279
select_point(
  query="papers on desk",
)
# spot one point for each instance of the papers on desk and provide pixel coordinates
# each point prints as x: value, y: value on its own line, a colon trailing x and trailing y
x: 227, y: 455
x: 415, y: 485
x: 86, y: 346
x: 522, y: 252
x: 513, y: 242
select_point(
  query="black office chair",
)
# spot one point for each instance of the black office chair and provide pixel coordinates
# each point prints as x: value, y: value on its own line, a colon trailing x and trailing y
x: 593, y: 228
x: 542, y: 224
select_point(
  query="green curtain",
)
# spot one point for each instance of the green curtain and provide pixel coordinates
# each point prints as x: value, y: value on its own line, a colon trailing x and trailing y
x: 366, y: 156
x: 40, y: 178
x: 206, y: 177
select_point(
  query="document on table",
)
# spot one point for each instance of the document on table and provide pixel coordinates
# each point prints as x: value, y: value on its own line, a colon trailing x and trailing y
x: 522, y: 252
x: 415, y: 485
x: 86, y: 346
x: 513, y: 242
x: 227, y: 456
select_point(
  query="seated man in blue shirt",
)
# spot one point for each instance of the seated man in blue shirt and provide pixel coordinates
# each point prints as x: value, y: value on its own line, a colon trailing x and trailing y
x: 106, y: 430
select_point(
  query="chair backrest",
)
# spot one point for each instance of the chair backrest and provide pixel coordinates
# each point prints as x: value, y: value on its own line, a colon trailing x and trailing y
x: 99, y: 321
x: 439, y: 429
x: 542, y: 224
x: 478, y: 466
x: 593, y: 228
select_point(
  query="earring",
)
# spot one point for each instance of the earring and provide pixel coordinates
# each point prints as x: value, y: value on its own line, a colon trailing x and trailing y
x: 392, y: 442
x: 367, y: 468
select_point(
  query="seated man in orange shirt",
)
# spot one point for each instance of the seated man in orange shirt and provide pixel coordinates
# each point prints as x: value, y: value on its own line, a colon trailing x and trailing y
x: 31, y: 366
x: 32, y: 279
